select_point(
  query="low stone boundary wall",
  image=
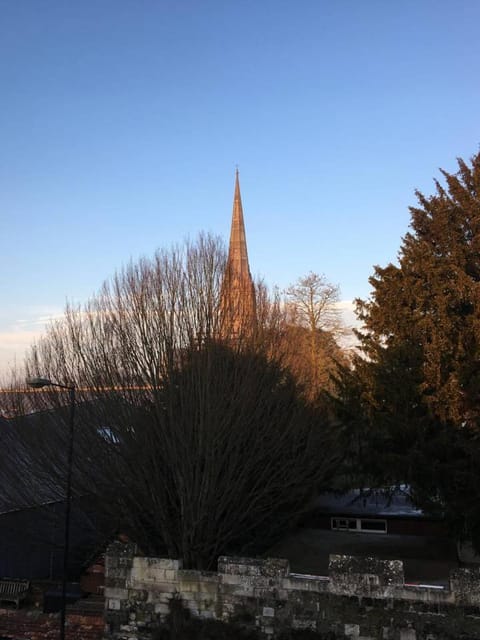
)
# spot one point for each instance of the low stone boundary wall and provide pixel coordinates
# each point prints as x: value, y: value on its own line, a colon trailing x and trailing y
x: 364, y: 598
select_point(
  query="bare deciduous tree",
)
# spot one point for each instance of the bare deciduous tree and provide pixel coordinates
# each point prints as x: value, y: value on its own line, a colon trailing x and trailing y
x: 196, y: 444
x: 312, y: 302
x: 311, y: 307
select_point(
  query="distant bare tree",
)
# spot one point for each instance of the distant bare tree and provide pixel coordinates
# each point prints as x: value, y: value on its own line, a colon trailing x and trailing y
x: 314, y: 324
x: 313, y: 303
x: 195, y: 444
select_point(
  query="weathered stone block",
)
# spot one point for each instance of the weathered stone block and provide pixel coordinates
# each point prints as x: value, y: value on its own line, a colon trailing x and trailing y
x: 115, y: 583
x: 390, y: 571
x: 118, y: 572
x: 352, y: 630
x: 119, y: 559
x: 465, y: 585
x: 210, y: 589
x: 238, y: 579
x: 300, y: 623
x: 364, y: 576
x: 200, y: 577
x: 160, y: 563
x: 118, y: 593
x: 144, y: 574
x: 111, y: 561
x: 268, y: 567
x: 162, y: 609
x: 154, y: 595
x: 232, y: 590
x: 138, y: 595
x: 152, y: 570
x: 310, y: 583
x: 158, y: 587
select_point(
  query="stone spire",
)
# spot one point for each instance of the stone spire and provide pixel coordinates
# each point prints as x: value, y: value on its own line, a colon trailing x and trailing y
x: 238, y: 292
x: 237, y: 251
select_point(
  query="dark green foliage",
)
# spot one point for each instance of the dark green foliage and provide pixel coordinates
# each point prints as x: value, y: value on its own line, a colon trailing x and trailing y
x: 424, y: 316
x: 414, y: 396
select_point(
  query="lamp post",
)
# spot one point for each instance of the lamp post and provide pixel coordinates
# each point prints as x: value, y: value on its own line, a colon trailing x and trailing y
x: 38, y: 383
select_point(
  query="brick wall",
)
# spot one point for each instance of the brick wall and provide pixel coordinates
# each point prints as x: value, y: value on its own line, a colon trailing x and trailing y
x: 34, y: 625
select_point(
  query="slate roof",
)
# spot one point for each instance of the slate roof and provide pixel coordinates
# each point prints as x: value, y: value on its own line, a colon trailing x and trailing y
x: 32, y: 499
x: 368, y: 502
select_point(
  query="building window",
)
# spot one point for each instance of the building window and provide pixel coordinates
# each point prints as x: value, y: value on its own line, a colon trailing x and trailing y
x: 344, y: 524
x: 359, y: 525
x: 375, y: 526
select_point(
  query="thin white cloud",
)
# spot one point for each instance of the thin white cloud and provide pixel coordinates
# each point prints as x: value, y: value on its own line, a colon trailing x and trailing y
x: 345, y: 304
x: 347, y: 311
x: 17, y: 335
x: 40, y: 321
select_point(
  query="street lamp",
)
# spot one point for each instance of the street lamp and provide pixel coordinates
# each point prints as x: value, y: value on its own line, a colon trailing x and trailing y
x: 38, y: 383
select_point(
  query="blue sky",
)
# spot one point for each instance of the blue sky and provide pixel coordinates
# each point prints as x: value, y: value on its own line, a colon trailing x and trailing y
x: 121, y: 122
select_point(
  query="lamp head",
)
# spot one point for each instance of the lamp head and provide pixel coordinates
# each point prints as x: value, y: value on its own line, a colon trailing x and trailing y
x: 38, y: 383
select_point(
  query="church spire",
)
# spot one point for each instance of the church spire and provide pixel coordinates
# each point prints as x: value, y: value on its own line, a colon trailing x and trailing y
x: 238, y: 292
x: 237, y: 252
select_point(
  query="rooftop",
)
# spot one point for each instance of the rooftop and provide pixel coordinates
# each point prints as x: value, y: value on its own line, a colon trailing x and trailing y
x: 367, y: 502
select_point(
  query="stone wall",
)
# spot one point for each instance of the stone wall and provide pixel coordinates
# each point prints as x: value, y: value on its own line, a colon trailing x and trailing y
x: 362, y: 598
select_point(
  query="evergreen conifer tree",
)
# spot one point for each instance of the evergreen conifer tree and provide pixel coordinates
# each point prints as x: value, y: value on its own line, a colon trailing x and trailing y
x: 417, y: 385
